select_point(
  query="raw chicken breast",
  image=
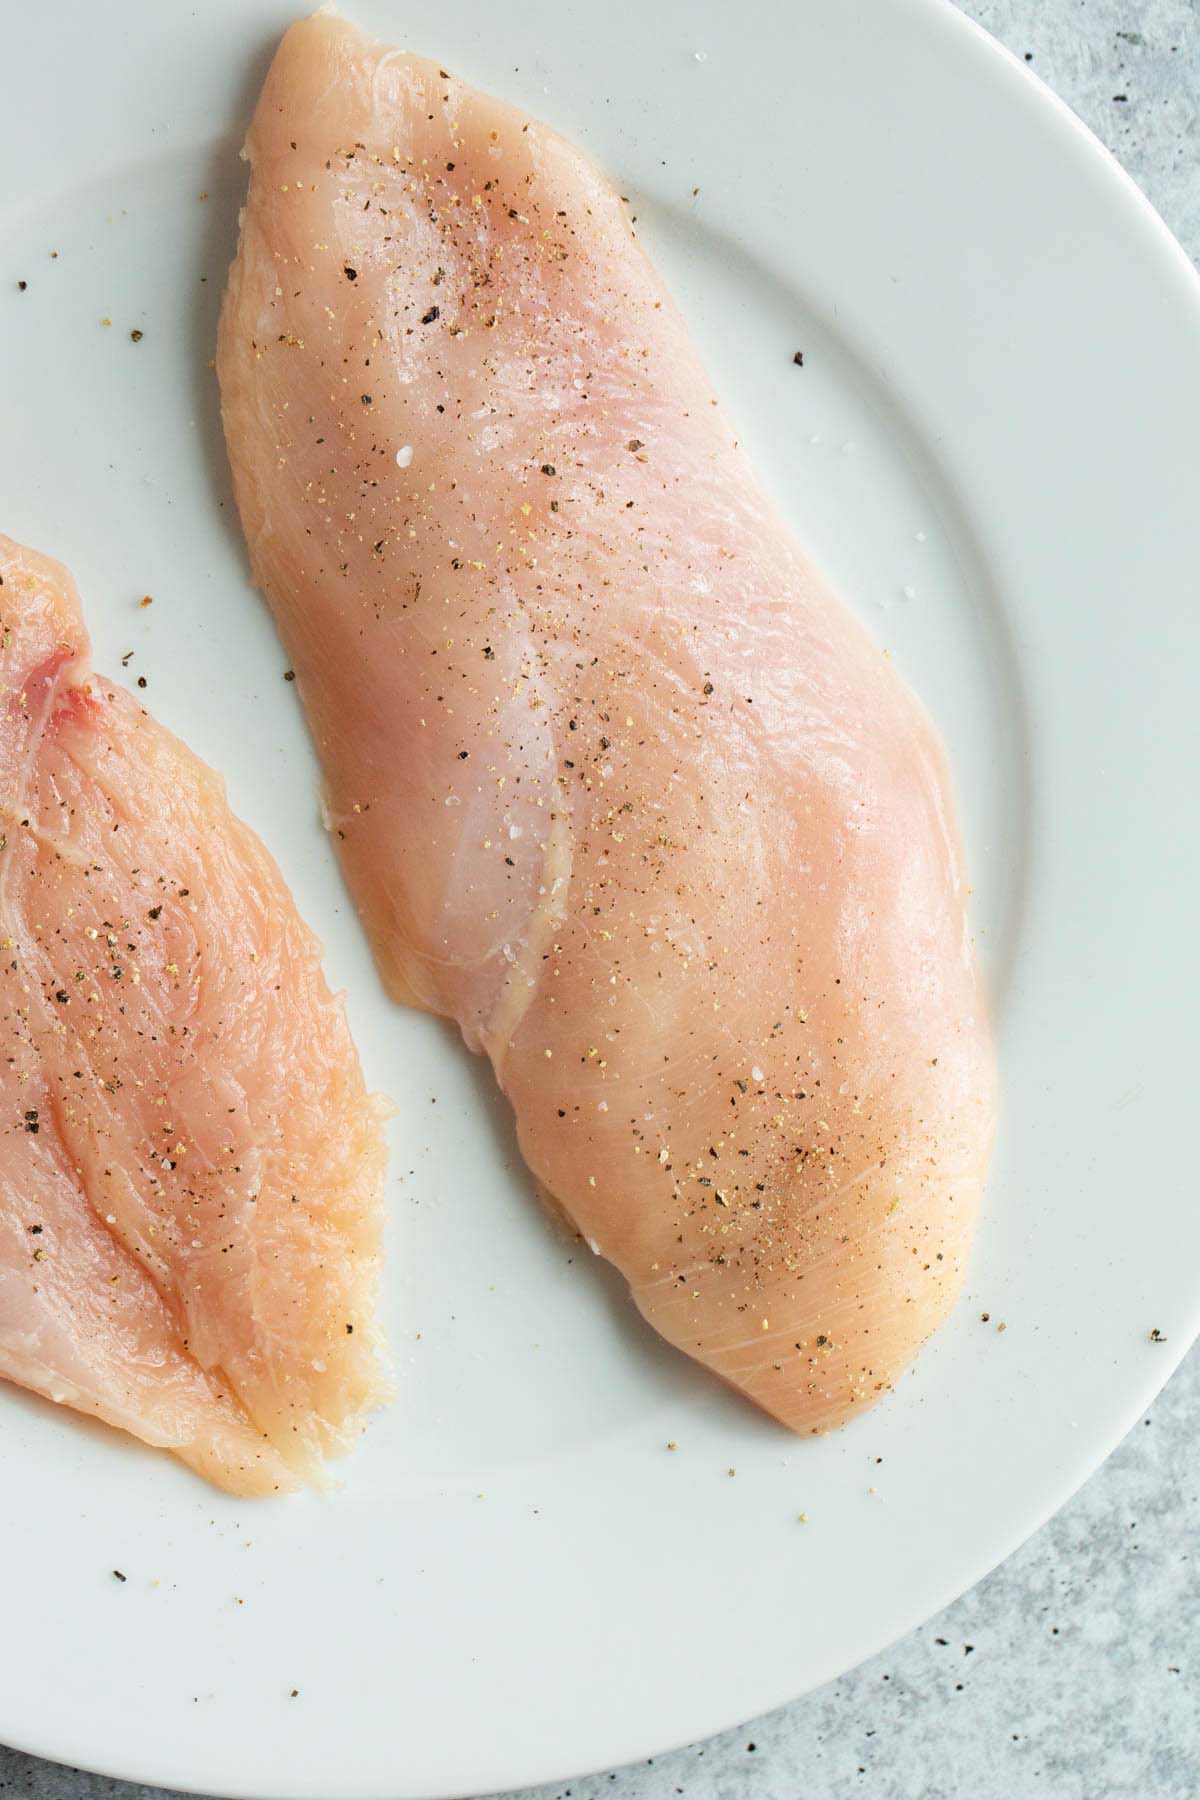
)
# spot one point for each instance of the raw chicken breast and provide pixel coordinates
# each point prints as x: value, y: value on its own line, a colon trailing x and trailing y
x: 190, y: 1166
x: 617, y: 783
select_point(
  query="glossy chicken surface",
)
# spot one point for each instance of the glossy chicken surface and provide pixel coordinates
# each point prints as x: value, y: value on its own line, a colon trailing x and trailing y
x: 618, y: 784
x: 190, y: 1165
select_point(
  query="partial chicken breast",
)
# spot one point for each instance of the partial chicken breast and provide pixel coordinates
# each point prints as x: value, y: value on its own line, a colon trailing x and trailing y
x: 618, y: 784
x: 190, y: 1165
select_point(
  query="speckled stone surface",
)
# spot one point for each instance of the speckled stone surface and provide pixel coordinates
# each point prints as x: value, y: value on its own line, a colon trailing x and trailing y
x: 1073, y: 1670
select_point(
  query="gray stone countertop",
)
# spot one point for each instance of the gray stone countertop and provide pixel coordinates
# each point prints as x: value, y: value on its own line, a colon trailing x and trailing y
x: 1074, y: 1669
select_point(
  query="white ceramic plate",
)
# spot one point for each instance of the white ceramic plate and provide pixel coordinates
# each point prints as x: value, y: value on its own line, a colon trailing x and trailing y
x: 997, y: 412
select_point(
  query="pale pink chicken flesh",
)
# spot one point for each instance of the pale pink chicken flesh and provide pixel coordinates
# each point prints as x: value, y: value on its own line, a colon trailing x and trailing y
x: 617, y: 783
x: 190, y: 1165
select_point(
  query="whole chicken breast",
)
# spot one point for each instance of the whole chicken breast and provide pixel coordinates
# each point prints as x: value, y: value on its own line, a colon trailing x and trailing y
x: 618, y: 784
